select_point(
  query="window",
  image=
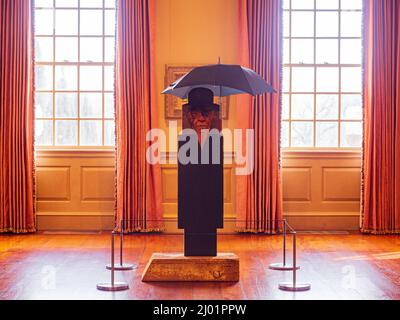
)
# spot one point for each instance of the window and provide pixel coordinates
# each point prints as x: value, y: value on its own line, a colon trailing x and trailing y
x: 74, y: 72
x: 321, y: 101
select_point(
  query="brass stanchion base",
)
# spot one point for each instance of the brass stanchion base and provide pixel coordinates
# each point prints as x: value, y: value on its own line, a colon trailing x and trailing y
x: 282, y: 267
x: 123, y: 267
x: 288, y: 286
x: 118, y: 286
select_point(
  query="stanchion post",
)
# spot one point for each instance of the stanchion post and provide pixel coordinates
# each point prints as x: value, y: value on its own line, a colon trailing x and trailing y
x: 122, y: 266
x: 294, y: 286
x: 121, y: 242
x: 284, y: 242
x: 282, y: 266
x: 113, y: 286
x: 294, y: 259
x: 112, y: 257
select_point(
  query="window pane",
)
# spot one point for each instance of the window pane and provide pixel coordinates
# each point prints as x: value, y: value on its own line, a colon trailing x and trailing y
x: 66, y: 132
x: 351, y: 24
x: 350, y: 51
x: 286, y: 4
x: 351, y: 79
x: 351, y: 134
x: 90, y: 132
x: 43, y: 105
x: 91, y: 49
x: 286, y: 51
x: 66, y: 77
x: 302, y: 24
x: 285, y: 107
x: 327, y: 24
x: 302, y: 134
x: 320, y: 88
x: 286, y: 24
x: 303, y: 79
x: 302, y: 51
x: 352, y: 4
x: 302, y: 4
x: 90, y: 106
x: 285, y: 134
x: 109, y: 3
x: 66, y: 105
x: 43, y: 49
x: 351, y: 107
x: 109, y: 16
x: 285, y: 79
x: 91, y: 78
x: 327, y: 51
x: 303, y: 106
x: 91, y: 22
x: 327, y: 79
x: 109, y: 105
x: 109, y: 78
x: 44, y: 77
x: 67, y: 3
x: 327, y: 134
x: 327, y: 4
x: 109, y: 50
x: 44, y: 3
x: 66, y: 49
x: 91, y: 3
x: 44, y: 132
x: 327, y: 107
x: 109, y: 133
x: 43, y: 22
x: 66, y: 22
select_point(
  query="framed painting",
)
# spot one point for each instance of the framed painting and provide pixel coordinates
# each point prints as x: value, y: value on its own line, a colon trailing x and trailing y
x: 173, y: 105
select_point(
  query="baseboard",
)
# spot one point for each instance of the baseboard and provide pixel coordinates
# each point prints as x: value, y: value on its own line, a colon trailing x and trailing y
x: 74, y: 222
x: 324, y: 221
x: 312, y: 221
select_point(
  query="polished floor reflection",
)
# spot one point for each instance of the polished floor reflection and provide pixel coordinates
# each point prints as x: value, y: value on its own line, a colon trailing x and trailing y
x: 68, y: 266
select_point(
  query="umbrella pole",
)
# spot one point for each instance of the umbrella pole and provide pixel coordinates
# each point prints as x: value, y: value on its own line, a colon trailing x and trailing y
x: 220, y: 102
x: 220, y: 94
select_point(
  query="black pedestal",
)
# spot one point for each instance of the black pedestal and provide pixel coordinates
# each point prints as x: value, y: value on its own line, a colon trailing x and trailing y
x: 200, y: 202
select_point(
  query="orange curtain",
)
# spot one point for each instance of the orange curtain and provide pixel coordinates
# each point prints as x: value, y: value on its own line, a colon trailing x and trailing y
x: 259, y: 200
x: 16, y: 117
x: 138, y: 184
x: 380, y: 210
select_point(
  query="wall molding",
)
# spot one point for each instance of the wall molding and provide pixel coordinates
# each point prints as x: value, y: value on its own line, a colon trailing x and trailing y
x: 301, y: 221
x: 322, y: 154
x: 74, y: 153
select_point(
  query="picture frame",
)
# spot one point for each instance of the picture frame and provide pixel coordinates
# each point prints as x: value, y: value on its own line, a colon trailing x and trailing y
x: 173, y: 105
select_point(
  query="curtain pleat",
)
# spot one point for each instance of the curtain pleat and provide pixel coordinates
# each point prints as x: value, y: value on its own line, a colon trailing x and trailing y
x: 380, y: 207
x: 16, y: 117
x: 138, y: 184
x: 259, y: 199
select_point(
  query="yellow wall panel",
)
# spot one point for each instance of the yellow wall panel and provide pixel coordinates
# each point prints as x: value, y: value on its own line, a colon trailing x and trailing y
x: 53, y: 183
x: 97, y: 183
x: 341, y: 184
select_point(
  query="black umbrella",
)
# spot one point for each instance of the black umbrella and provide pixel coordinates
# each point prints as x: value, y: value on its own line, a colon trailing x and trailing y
x: 222, y: 79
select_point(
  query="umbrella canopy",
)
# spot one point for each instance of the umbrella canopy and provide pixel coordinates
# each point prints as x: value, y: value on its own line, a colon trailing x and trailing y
x: 222, y: 79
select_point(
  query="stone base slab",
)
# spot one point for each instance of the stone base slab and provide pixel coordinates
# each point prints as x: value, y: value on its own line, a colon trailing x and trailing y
x: 177, y: 267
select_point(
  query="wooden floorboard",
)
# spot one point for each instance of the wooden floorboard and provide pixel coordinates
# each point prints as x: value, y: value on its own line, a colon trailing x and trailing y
x: 63, y: 266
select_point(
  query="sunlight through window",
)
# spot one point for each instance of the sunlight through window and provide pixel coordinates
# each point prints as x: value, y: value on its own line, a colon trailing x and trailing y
x: 321, y: 102
x: 74, y: 73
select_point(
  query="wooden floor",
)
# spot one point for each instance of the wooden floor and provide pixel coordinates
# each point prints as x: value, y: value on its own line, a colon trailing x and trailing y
x: 65, y: 266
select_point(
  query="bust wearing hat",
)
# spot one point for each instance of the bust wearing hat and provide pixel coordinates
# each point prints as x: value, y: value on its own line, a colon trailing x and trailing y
x: 201, y: 111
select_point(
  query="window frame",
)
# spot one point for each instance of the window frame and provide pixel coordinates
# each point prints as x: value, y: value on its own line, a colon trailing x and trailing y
x: 78, y: 64
x: 339, y: 66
